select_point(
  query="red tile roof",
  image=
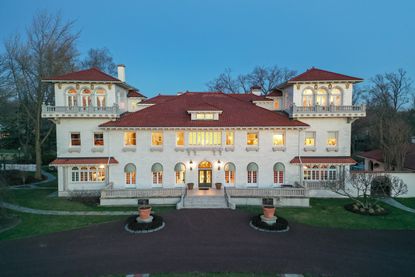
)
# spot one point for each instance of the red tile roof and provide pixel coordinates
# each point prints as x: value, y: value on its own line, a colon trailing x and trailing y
x: 134, y: 93
x: 377, y: 155
x: 203, y: 107
x: 315, y: 74
x: 372, y: 154
x: 275, y: 93
x: 322, y: 160
x: 249, y: 97
x: 70, y: 161
x: 159, y: 99
x: 173, y: 113
x: 92, y: 74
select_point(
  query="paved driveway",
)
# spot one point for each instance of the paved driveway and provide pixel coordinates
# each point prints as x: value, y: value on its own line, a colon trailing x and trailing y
x: 210, y: 241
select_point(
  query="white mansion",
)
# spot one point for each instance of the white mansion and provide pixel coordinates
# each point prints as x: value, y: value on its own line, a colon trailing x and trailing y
x: 113, y: 140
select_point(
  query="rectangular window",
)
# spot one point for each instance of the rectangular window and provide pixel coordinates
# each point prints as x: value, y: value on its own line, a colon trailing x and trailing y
x: 208, y: 138
x: 157, y: 178
x: 276, y: 104
x: 129, y: 138
x: 278, y: 138
x: 332, y: 138
x: 98, y: 139
x: 180, y: 177
x: 180, y: 138
x: 252, y: 177
x: 156, y: 138
x: 229, y: 138
x: 230, y: 177
x: 252, y: 139
x: 205, y: 116
x: 75, y: 139
x: 310, y: 139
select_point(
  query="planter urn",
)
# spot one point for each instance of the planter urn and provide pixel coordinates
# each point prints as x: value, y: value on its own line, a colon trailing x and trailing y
x: 269, y: 211
x: 218, y: 185
x: 144, y: 212
x: 190, y: 185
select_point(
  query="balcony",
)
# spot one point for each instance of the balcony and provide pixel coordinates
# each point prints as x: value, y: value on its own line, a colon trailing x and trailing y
x: 353, y: 111
x: 75, y: 111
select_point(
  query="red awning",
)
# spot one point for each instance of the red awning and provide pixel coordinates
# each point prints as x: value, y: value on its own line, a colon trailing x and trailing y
x: 323, y: 160
x: 71, y: 161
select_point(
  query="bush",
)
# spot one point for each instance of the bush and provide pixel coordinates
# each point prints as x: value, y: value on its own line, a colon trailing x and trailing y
x: 17, y: 177
x: 372, y: 210
x: 280, y: 225
x: 381, y: 186
x: 133, y: 225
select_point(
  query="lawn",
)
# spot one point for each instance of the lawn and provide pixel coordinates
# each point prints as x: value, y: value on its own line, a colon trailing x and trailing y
x: 330, y: 213
x: 33, y: 225
x: 409, y: 202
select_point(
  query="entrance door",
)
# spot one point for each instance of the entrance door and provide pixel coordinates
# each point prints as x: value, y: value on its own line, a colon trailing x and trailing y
x: 205, y: 178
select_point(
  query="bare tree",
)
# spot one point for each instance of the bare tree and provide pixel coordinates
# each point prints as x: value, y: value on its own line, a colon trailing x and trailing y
x: 364, y: 188
x: 100, y: 58
x: 47, y: 49
x: 265, y: 77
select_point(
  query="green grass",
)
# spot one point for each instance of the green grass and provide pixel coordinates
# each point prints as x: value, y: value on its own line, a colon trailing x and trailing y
x: 330, y: 213
x: 409, y: 202
x: 34, y: 225
x: 214, y: 274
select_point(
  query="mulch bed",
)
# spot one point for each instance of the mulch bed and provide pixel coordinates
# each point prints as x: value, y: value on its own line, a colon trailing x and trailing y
x: 281, y: 225
x: 133, y: 226
x: 349, y: 207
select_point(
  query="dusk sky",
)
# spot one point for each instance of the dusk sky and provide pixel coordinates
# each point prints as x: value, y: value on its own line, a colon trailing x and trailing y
x: 171, y: 46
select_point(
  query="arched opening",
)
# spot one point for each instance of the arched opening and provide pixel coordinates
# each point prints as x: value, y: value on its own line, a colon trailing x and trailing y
x: 229, y: 173
x: 335, y: 97
x: 279, y: 172
x: 308, y: 97
x: 157, y: 170
x: 130, y: 174
x: 86, y: 97
x: 205, y: 175
x: 72, y: 98
x: 180, y: 170
x: 321, y: 97
x: 100, y: 97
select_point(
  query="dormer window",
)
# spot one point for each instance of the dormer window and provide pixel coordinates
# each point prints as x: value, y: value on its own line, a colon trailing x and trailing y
x: 205, y: 116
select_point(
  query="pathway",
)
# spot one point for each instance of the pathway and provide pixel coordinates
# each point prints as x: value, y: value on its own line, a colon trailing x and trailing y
x: 49, y: 178
x: 397, y: 204
x: 210, y: 241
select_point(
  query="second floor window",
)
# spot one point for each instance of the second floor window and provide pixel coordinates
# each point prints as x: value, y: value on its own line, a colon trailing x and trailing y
x: 307, y: 98
x: 252, y: 139
x: 180, y: 138
x: 208, y: 138
x: 278, y: 139
x: 72, y: 98
x: 100, y: 97
x: 86, y: 98
x: 332, y: 138
x: 156, y: 138
x: 75, y: 139
x: 321, y: 97
x: 310, y: 139
x: 229, y: 138
x: 98, y: 139
x: 129, y: 139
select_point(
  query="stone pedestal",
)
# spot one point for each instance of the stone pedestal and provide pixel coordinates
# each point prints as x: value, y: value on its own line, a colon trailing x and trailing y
x: 147, y: 220
x: 270, y: 220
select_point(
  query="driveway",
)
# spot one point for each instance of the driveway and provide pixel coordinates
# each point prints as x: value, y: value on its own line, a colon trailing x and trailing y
x: 210, y: 241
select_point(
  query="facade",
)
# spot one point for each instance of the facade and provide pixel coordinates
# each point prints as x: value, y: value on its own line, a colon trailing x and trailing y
x: 111, y: 139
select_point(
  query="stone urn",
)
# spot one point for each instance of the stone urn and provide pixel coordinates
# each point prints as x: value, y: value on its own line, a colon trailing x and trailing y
x: 269, y: 211
x: 144, y: 212
x: 190, y: 185
x: 218, y: 185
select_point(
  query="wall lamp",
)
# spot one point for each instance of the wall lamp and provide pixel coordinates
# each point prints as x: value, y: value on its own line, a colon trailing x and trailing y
x: 219, y: 162
x: 191, y: 165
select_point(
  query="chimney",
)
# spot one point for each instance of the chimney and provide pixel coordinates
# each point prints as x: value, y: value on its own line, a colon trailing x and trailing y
x: 257, y: 90
x: 121, y: 72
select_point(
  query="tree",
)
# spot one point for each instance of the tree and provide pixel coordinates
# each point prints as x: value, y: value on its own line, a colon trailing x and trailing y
x: 48, y: 49
x: 100, y: 58
x: 266, y: 77
x: 364, y: 188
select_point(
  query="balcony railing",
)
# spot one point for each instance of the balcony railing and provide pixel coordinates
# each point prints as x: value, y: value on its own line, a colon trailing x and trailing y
x: 77, y: 111
x: 267, y: 192
x: 109, y: 192
x: 316, y: 110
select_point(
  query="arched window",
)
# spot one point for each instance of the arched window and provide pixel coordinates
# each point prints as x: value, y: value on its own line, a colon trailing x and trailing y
x: 157, y: 170
x: 84, y: 174
x: 100, y: 97
x: 335, y: 97
x: 321, y: 97
x: 279, y: 171
x: 130, y: 174
x: 324, y: 173
x: 229, y: 173
x: 93, y: 174
x: 252, y: 169
x: 308, y: 98
x: 315, y: 173
x: 72, y: 97
x: 332, y: 173
x: 86, y: 97
x: 180, y: 170
x: 75, y: 174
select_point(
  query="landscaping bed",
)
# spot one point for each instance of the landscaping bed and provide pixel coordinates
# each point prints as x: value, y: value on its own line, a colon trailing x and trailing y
x: 374, y: 210
x: 281, y: 225
x: 133, y: 226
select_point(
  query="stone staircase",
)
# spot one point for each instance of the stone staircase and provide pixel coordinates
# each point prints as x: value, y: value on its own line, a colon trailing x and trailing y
x: 200, y: 201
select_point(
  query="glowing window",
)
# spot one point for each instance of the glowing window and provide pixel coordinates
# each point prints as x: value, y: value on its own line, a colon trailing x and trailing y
x: 129, y: 138
x: 308, y: 98
x: 229, y: 138
x: 278, y: 138
x: 180, y: 138
x: 332, y: 138
x: 98, y: 139
x: 310, y: 139
x: 252, y: 139
x: 156, y: 138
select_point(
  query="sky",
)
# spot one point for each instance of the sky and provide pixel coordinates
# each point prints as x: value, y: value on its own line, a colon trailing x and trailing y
x: 178, y: 45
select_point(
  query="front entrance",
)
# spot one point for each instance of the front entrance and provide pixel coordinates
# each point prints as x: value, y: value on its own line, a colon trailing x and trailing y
x: 205, y: 175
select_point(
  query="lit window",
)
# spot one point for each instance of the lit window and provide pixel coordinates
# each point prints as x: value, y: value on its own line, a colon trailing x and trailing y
x: 335, y: 97
x: 180, y: 138
x: 84, y: 174
x: 278, y: 138
x: 252, y: 139
x: 229, y: 173
x: 204, y: 116
x: 75, y: 139
x: 72, y: 98
x: 319, y: 173
x: 86, y: 98
x: 180, y: 170
x: 130, y: 174
x: 332, y: 138
x: 93, y: 174
x: 310, y: 139
x: 100, y: 97
x: 129, y: 138
x: 307, y: 97
x: 156, y: 138
x: 229, y: 138
x: 207, y: 138
x: 98, y: 139
x: 276, y: 104
x: 321, y: 97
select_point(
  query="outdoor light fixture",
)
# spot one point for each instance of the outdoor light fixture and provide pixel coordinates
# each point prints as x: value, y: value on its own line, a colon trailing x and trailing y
x: 191, y: 164
x: 219, y: 164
